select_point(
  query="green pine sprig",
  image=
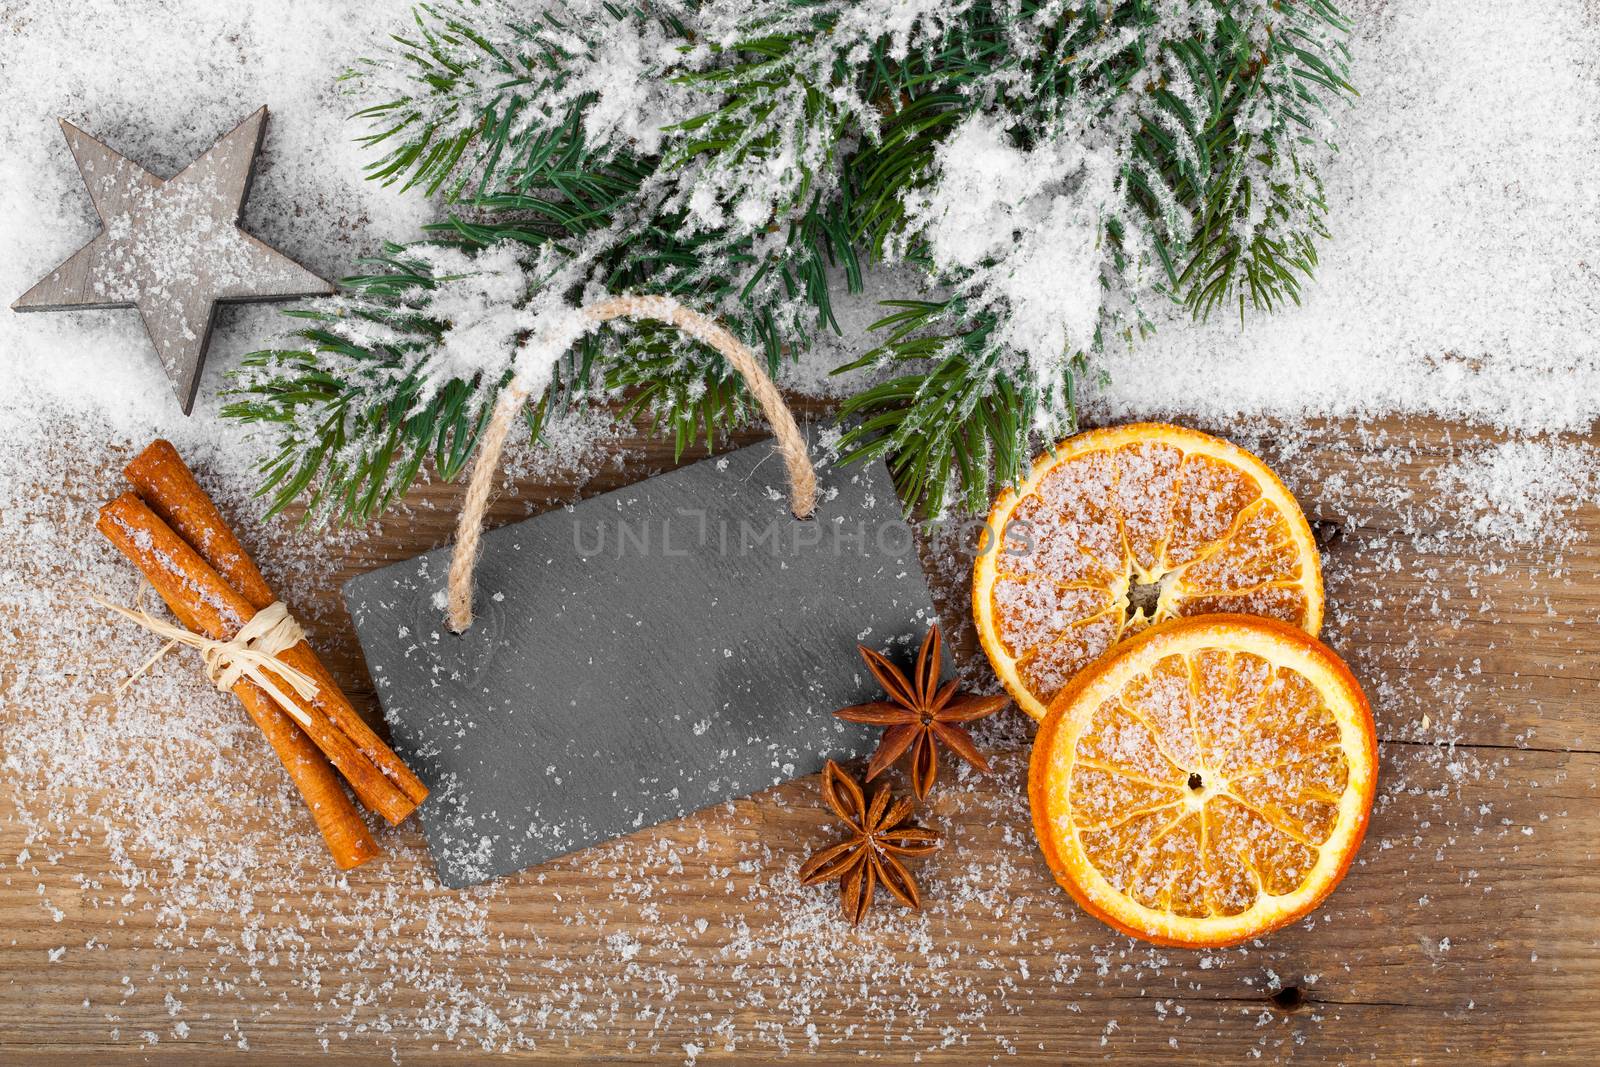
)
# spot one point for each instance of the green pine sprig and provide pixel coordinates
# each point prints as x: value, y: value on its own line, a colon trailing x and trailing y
x: 801, y: 134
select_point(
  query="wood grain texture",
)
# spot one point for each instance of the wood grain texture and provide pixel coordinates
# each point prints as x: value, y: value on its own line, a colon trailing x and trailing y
x: 1466, y: 932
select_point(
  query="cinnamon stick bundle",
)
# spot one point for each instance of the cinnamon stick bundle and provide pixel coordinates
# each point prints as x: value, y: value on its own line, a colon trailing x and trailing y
x: 171, y: 490
x: 215, y: 610
x: 336, y: 817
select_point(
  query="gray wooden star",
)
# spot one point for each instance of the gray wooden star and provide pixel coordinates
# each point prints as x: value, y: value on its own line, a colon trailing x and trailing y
x: 173, y: 249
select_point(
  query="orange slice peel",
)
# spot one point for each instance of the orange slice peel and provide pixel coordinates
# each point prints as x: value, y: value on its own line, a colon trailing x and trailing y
x: 1118, y: 529
x: 1207, y: 782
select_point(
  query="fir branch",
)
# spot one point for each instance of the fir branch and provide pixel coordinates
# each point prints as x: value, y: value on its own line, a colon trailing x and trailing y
x: 1217, y: 212
x: 468, y: 104
x: 348, y: 411
x: 736, y: 155
x: 961, y: 419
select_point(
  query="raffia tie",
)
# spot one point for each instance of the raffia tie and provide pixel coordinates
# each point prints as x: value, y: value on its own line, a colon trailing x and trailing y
x: 790, y: 441
x: 251, y: 653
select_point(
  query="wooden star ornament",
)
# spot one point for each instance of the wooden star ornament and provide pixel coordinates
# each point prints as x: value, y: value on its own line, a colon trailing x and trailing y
x: 172, y: 248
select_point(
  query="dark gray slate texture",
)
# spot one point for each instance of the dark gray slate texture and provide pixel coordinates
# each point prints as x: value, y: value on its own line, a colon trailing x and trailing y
x: 640, y: 655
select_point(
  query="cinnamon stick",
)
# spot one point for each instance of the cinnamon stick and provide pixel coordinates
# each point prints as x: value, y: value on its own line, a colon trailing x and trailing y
x: 216, y: 610
x: 167, y: 484
x: 171, y: 490
x: 335, y: 814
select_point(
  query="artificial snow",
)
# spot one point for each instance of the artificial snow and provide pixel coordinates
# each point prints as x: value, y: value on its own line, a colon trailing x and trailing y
x: 1459, y: 282
x: 1024, y: 229
x: 1523, y: 492
x: 1462, y: 277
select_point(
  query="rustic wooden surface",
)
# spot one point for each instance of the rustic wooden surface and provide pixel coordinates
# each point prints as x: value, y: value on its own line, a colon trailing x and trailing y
x: 1468, y: 932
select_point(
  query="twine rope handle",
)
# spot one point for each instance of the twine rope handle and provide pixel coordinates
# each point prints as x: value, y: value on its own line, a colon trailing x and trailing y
x: 251, y: 653
x: 791, y: 443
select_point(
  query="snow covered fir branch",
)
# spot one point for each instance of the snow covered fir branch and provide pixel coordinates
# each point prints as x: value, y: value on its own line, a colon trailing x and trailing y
x: 1050, y: 169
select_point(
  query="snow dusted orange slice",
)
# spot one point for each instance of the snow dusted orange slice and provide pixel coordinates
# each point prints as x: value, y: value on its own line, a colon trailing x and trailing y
x: 1208, y: 781
x: 1120, y: 528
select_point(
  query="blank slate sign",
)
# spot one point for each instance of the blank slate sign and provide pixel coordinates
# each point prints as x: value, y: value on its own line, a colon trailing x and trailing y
x: 640, y: 655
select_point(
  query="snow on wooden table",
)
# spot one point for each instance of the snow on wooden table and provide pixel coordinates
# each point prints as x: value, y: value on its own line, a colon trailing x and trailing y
x: 1465, y: 931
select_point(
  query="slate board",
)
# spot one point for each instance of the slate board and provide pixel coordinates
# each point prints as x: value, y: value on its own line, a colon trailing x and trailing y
x: 640, y: 655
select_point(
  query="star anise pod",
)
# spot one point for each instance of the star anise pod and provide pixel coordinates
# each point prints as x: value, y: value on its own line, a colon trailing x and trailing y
x: 919, y: 714
x: 866, y: 859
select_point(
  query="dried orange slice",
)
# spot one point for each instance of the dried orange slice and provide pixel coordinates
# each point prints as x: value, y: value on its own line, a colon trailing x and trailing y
x: 1208, y: 781
x: 1120, y: 528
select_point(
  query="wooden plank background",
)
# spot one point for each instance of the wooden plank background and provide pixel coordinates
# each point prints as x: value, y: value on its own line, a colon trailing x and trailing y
x: 1468, y: 931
